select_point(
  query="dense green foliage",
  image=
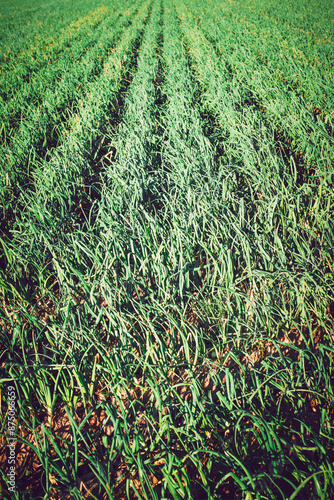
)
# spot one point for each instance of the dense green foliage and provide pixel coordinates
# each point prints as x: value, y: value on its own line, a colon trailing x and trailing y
x: 166, y: 248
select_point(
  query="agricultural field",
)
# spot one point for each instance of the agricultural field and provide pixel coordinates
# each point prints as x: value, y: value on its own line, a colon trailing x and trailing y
x: 166, y: 249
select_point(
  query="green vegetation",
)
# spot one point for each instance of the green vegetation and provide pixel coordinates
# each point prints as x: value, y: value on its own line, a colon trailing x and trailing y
x: 166, y: 248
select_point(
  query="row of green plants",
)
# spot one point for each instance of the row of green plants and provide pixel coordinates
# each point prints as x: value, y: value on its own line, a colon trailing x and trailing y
x: 168, y: 280
x: 132, y: 173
